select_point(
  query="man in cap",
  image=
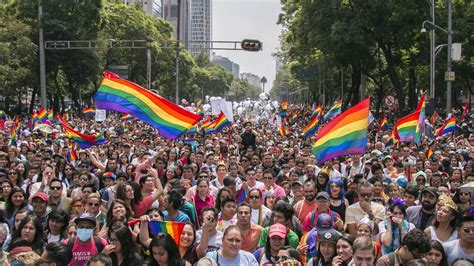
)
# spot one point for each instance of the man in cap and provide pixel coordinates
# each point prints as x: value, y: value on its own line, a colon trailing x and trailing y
x: 322, y: 200
x: 308, y: 243
x: 39, y: 201
x: 86, y: 245
x: 422, y: 215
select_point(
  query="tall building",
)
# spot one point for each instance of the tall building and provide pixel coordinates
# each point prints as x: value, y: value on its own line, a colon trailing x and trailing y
x: 228, y: 64
x: 151, y: 7
x: 252, y: 79
x: 170, y: 13
x: 200, y: 32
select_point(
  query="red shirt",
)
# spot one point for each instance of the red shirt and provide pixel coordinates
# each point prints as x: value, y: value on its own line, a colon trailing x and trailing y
x: 199, y: 204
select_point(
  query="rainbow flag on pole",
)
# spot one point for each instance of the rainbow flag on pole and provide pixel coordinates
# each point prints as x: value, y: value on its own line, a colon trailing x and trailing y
x: 405, y: 128
x: 383, y: 125
x: 84, y: 141
x: 420, y: 128
x: 429, y: 153
x: 284, y: 108
x: 89, y: 111
x: 447, y: 127
x: 221, y: 122
x: 311, y: 128
x: 121, y: 95
x: 174, y: 229
x: 13, y: 135
x: 334, y: 111
x: 346, y: 134
x: 42, y: 115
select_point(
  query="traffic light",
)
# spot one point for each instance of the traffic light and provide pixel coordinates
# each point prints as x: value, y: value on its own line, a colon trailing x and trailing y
x: 251, y: 45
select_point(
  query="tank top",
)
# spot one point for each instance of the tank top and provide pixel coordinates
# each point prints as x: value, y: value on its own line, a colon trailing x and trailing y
x: 453, y: 236
x: 341, y: 209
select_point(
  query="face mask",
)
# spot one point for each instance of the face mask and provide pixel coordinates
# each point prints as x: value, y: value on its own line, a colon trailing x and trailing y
x: 84, y: 234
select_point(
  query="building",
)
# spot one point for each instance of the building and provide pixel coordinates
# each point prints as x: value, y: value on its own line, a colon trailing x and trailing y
x: 200, y: 28
x: 252, y: 79
x: 226, y: 63
x: 151, y: 7
x: 170, y: 13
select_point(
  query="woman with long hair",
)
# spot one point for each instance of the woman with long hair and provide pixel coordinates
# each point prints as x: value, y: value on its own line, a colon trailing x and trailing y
x: 221, y: 196
x: 7, y: 186
x: 326, y: 248
x: 122, y: 249
x: 21, y: 169
x: 339, y: 203
x: 57, y: 223
x: 60, y: 168
x: 322, y: 180
x: 344, y: 250
x: 118, y: 208
x: 15, y: 177
x: 202, y: 198
x: 437, y: 255
x: 164, y: 251
x: 16, y: 200
x: 444, y: 227
x: 31, y: 229
x: 123, y: 163
x: 395, y: 227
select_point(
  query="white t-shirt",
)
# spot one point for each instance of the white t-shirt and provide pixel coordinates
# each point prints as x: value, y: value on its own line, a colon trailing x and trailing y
x: 215, y: 241
x: 453, y: 251
x: 266, y: 212
x: 243, y: 258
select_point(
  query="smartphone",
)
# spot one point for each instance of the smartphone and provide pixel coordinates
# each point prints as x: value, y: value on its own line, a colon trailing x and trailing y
x: 144, y: 171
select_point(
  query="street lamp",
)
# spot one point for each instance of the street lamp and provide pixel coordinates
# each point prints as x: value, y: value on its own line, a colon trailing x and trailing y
x: 263, y: 81
x: 449, y: 75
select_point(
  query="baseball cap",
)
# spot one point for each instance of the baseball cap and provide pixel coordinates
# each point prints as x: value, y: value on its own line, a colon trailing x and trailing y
x: 297, y: 182
x: 277, y: 230
x: 329, y: 236
x: 322, y: 194
x: 432, y: 190
x: 324, y: 223
x: 41, y: 195
x: 109, y: 175
x: 87, y: 217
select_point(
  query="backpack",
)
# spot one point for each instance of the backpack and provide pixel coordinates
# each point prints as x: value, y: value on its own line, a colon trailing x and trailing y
x: 97, y: 241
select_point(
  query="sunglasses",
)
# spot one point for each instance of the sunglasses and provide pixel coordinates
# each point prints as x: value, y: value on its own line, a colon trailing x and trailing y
x: 55, y: 188
x: 365, y: 195
x: 254, y: 197
x: 84, y: 179
x: 94, y: 204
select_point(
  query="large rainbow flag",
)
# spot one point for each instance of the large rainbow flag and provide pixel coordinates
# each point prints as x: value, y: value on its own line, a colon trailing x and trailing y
x: 420, y: 127
x: 84, y: 141
x: 174, y: 229
x: 334, y: 111
x: 448, y: 127
x: 405, y: 128
x: 124, y: 96
x: 346, y: 134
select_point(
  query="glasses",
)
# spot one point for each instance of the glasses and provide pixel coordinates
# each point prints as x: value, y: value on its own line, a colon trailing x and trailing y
x: 12, y: 173
x: 77, y: 206
x: 68, y: 169
x: 93, y: 204
x: 468, y: 230
x: 203, y: 176
x: 84, y: 179
x: 254, y: 197
x: 55, y: 188
x: 281, y: 258
x: 366, y: 195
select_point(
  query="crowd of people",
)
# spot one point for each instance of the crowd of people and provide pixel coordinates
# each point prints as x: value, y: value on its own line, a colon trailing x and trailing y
x: 247, y: 196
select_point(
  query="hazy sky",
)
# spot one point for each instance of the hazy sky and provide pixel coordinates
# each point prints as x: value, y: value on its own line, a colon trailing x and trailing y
x: 234, y: 20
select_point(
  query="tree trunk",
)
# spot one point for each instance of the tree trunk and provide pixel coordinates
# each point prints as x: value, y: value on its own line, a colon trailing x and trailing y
x: 33, y: 98
x: 356, y: 81
x: 412, y: 95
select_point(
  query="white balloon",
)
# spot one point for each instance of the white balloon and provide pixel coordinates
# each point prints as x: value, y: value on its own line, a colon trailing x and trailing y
x: 264, y: 96
x: 218, y: 97
x: 207, y: 98
x: 212, y: 98
x: 206, y: 107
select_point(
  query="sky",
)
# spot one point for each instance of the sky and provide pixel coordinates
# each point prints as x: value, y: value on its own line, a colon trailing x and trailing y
x: 235, y: 20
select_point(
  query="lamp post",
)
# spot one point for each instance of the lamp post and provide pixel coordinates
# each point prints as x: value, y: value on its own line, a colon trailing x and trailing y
x: 450, y: 75
x: 263, y: 80
x: 178, y: 24
x: 42, y: 64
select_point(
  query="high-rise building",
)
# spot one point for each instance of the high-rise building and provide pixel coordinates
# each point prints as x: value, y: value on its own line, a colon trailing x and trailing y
x: 151, y: 7
x: 252, y: 79
x: 170, y: 13
x: 228, y: 64
x: 200, y: 32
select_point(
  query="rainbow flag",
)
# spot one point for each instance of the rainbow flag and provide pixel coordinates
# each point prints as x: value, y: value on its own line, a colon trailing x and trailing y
x: 383, y: 125
x: 405, y: 128
x: 221, y: 122
x: 126, y: 117
x: 192, y: 130
x: 16, y: 119
x: 284, y: 108
x: 334, y: 111
x: 71, y: 154
x: 34, y: 120
x: 84, y: 141
x: 429, y: 153
x: 121, y: 95
x: 316, y: 111
x: 311, y: 128
x: 210, y: 127
x: 433, y: 118
x: 89, y: 111
x: 42, y: 115
x: 420, y: 128
x: 346, y: 134
x: 241, y: 196
x: 50, y: 119
x: 174, y: 229
x: 447, y: 127
x: 464, y: 111
x: 282, y: 128
x: 392, y: 140
x: 198, y: 102
x: 13, y: 136
x: 66, y: 117
x: 3, y: 116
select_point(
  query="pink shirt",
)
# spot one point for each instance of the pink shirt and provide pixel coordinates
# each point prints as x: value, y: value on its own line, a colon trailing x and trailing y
x: 192, y: 192
x: 142, y: 206
x: 199, y: 204
x: 279, y: 191
x: 82, y: 253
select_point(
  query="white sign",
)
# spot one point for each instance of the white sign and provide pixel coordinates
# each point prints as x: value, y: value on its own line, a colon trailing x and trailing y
x: 100, y: 115
x: 221, y: 105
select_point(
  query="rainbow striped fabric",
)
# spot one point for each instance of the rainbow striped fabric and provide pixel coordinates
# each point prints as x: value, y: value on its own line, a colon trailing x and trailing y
x: 50, y: 116
x: 89, y: 111
x: 334, y: 111
x: 420, y: 128
x: 71, y: 154
x: 3, y: 116
x: 383, y: 125
x: 13, y: 136
x: 125, y: 117
x: 346, y: 134
x: 283, y: 130
x: 42, y: 115
x: 121, y: 95
x: 312, y: 126
x: 448, y: 127
x: 405, y: 128
x: 429, y: 153
x: 316, y: 111
x: 84, y: 141
x: 284, y: 108
x: 221, y: 122
x: 174, y: 229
